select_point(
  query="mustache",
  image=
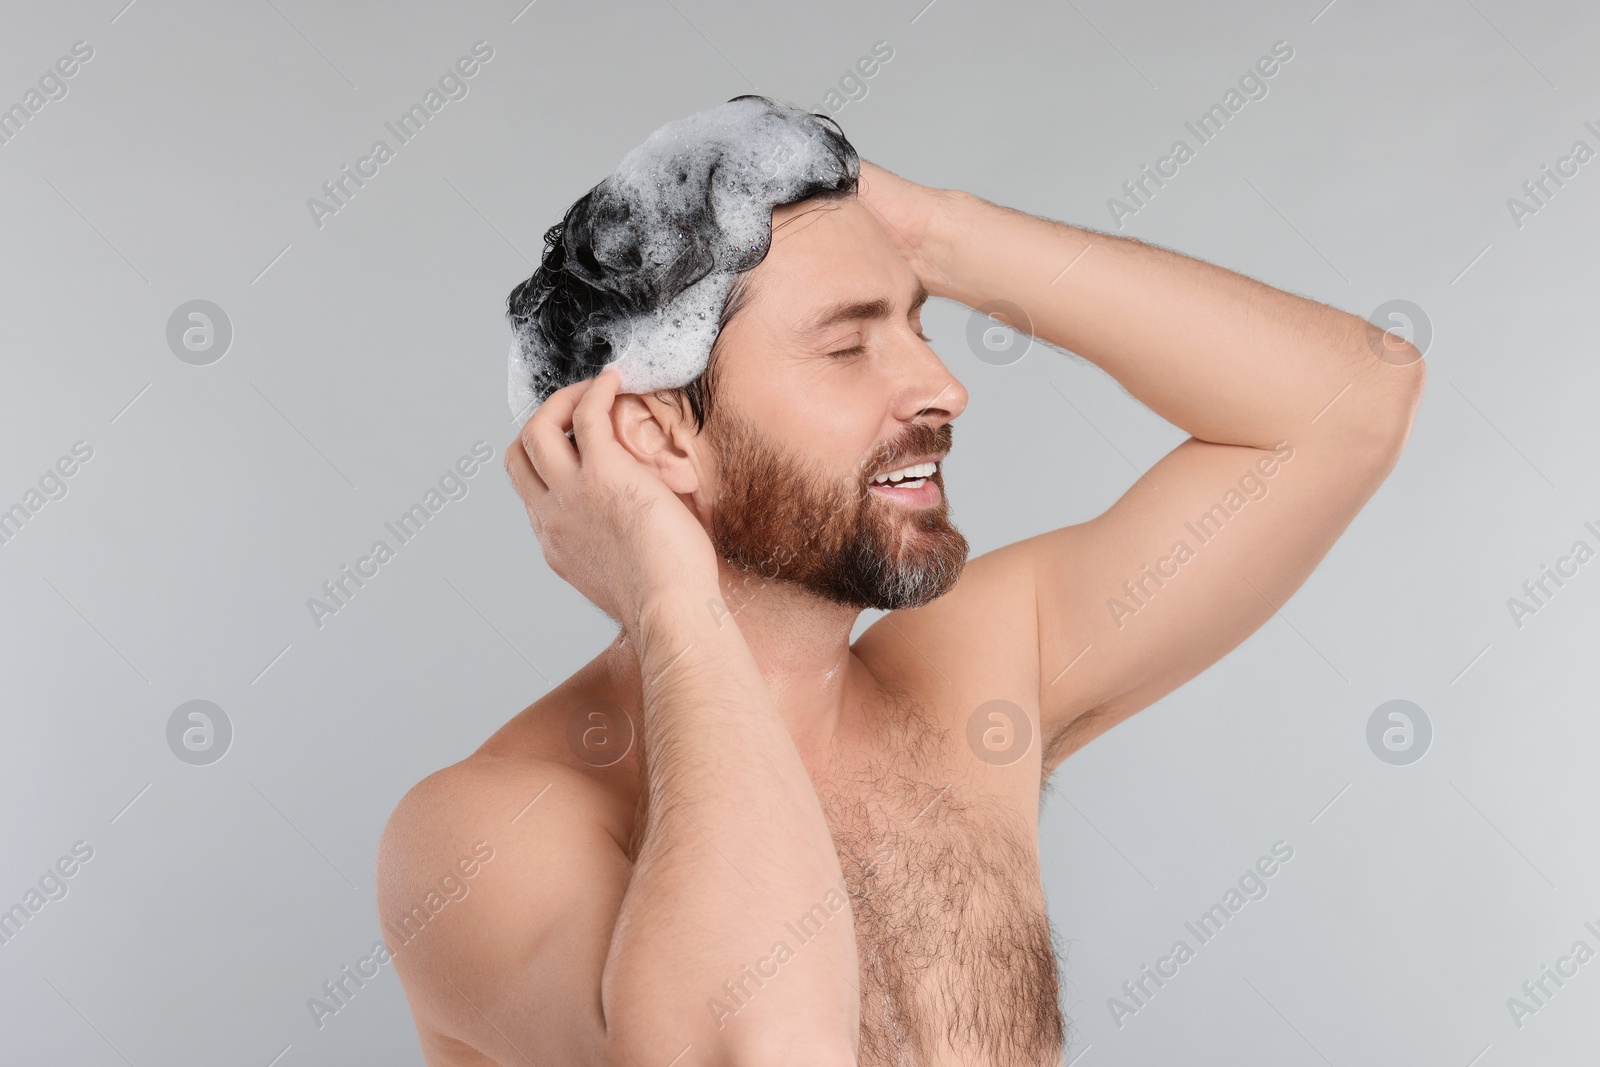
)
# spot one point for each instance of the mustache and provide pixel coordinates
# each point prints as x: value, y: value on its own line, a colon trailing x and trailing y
x: 918, y: 440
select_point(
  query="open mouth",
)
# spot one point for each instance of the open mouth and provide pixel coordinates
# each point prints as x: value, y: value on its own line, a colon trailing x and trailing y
x: 914, y: 485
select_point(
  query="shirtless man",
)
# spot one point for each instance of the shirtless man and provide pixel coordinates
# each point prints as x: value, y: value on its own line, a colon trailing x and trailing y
x: 735, y: 836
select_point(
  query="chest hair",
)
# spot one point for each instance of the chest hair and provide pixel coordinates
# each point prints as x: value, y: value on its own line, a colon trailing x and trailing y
x: 958, y: 960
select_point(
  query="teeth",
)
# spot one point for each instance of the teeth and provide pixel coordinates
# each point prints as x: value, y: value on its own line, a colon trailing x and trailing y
x: 916, y: 470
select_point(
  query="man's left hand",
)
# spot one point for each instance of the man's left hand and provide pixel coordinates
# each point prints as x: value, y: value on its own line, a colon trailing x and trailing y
x: 908, y: 213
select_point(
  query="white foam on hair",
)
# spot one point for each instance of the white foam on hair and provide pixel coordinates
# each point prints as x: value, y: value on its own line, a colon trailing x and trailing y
x: 747, y: 155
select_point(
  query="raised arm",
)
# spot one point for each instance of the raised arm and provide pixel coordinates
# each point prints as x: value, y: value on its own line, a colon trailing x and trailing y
x: 736, y: 852
x: 1228, y: 359
x: 567, y: 952
x: 1297, y: 413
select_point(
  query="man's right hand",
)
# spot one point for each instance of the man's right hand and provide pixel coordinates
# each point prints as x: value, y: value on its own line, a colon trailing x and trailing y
x: 607, y: 523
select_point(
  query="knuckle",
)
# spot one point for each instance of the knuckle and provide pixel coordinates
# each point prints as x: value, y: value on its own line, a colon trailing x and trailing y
x: 530, y: 429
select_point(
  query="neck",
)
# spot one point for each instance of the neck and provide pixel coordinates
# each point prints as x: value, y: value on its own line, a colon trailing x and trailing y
x: 801, y: 645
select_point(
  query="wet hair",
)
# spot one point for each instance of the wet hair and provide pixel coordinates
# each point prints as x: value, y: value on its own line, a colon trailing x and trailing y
x: 698, y: 394
x: 648, y: 267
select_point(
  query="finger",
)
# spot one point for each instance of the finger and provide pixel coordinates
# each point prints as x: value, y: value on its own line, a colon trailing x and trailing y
x: 591, y: 419
x: 524, y: 479
x: 544, y: 437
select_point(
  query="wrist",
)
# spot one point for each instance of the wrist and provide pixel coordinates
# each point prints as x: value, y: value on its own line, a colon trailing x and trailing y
x: 675, y: 608
x: 939, y: 253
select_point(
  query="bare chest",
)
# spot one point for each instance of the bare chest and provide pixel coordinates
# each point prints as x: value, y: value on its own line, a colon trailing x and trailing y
x: 958, y: 963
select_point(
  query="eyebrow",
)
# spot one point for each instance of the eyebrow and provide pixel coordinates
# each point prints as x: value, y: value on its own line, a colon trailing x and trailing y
x: 855, y: 310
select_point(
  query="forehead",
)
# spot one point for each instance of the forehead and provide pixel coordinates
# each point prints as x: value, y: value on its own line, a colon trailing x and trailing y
x: 823, y: 252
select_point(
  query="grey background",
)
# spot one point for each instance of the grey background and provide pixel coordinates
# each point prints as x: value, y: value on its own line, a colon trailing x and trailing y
x: 368, y: 355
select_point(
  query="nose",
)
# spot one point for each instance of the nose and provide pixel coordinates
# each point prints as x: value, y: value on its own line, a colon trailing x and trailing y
x: 930, y: 392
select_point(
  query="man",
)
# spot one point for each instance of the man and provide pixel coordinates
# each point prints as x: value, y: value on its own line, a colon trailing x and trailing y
x: 736, y: 837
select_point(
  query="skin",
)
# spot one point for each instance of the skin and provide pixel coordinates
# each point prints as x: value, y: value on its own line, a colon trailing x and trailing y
x: 623, y: 895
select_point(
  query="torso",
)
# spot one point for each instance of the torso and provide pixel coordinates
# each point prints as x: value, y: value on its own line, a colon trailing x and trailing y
x: 957, y: 958
x: 940, y: 855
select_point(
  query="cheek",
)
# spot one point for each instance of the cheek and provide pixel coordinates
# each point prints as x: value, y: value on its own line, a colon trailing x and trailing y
x: 852, y: 449
x: 827, y: 417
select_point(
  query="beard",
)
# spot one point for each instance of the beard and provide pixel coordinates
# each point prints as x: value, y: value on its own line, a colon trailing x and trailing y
x: 782, y: 520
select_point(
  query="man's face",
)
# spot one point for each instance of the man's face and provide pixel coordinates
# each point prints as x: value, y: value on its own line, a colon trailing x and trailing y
x: 810, y: 406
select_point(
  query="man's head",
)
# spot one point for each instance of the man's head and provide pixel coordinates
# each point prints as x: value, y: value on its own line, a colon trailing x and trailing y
x: 818, y: 381
x: 825, y: 381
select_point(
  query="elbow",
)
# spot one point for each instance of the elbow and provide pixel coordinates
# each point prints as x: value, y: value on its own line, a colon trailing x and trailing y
x: 1405, y: 388
x: 1391, y: 393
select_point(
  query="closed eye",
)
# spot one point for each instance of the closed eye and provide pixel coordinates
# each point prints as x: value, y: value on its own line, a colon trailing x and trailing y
x: 845, y: 353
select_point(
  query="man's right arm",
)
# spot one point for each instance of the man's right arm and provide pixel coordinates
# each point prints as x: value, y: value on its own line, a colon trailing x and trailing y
x: 735, y: 853
x: 564, y: 950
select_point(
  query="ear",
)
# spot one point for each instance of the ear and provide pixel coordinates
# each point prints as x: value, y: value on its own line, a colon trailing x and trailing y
x: 660, y: 436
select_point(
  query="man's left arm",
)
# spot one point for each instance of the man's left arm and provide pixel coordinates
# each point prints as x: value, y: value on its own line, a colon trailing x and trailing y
x: 1297, y: 412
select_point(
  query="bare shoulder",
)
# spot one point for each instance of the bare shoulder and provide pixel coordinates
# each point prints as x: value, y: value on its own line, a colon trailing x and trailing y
x: 493, y: 794
x: 509, y: 813
x: 977, y: 644
x: 483, y: 796
x: 990, y: 612
x: 501, y: 876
